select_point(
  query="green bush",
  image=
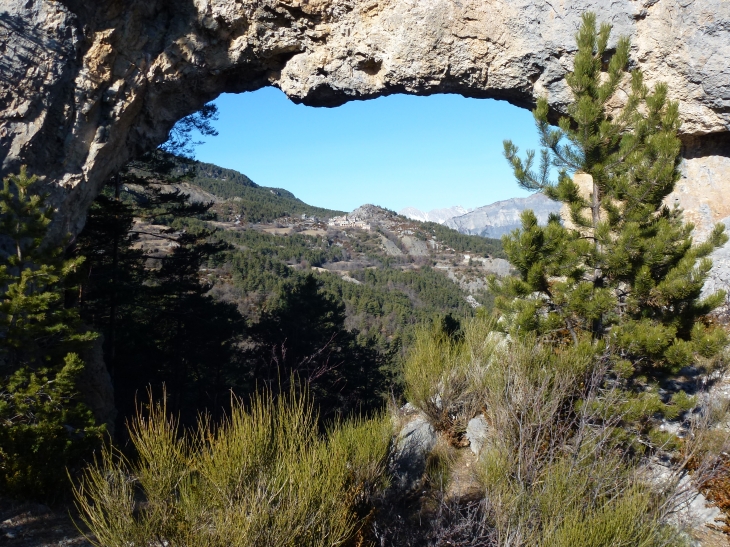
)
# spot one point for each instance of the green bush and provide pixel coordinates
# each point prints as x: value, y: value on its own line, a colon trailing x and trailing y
x: 554, y: 465
x: 38, y: 442
x: 263, y: 477
x: 557, y: 466
x: 45, y: 428
x: 443, y: 372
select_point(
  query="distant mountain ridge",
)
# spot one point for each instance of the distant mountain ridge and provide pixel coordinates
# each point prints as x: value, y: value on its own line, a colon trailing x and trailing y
x: 493, y: 220
x: 434, y: 215
x: 499, y: 218
x: 253, y: 202
x: 237, y: 197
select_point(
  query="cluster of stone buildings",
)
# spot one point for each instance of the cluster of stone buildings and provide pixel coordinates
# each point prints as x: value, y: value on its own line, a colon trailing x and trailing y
x: 344, y: 222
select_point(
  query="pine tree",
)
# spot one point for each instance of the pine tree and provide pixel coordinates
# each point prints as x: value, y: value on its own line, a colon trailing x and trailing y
x: 112, y: 275
x: 302, y: 335
x: 625, y: 269
x: 193, y: 333
x: 180, y: 139
x: 45, y: 426
x: 160, y: 325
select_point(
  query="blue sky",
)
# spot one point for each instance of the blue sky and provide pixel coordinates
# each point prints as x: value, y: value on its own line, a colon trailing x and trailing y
x: 397, y: 151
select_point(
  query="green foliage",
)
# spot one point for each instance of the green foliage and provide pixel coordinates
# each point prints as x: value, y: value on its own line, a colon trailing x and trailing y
x: 483, y: 246
x: 599, y: 302
x: 626, y: 269
x: 46, y: 431
x: 381, y: 312
x: 263, y: 477
x: 161, y: 326
x: 386, y: 300
x: 36, y: 327
x: 112, y: 275
x: 303, y: 334
x: 552, y: 465
x: 45, y: 427
x: 629, y: 518
x: 180, y: 138
x: 443, y: 372
x: 592, y: 501
x: 291, y: 249
x: 191, y: 334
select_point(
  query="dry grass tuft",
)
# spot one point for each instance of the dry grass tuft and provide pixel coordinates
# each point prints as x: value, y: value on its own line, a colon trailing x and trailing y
x: 554, y: 469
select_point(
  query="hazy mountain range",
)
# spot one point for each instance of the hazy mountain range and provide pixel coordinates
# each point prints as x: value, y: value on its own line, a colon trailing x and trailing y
x: 434, y: 215
x: 491, y: 220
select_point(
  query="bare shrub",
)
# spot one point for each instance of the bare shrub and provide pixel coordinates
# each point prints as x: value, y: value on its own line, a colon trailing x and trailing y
x: 704, y: 454
x: 461, y: 524
x: 557, y: 467
x: 554, y: 468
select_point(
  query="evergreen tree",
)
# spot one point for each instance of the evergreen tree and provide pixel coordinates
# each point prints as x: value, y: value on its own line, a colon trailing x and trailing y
x: 113, y: 273
x: 161, y: 327
x: 175, y: 158
x: 194, y: 334
x: 180, y: 139
x: 625, y: 269
x: 303, y: 335
x: 45, y: 426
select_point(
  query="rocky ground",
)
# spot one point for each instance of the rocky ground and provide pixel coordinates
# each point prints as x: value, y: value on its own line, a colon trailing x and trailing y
x: 34, y: 525
x: 700, y: 520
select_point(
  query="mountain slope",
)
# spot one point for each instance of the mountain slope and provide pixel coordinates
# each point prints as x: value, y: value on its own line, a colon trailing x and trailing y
x: 368, y: 279
x: 253, y: 203
x: 389, y: 272
x: 501, y: 217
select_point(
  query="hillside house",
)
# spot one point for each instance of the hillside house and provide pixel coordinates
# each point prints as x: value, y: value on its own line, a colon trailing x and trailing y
x: 344, y: 222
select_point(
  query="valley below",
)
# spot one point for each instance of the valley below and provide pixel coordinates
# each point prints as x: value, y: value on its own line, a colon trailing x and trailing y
x: 432, y: 267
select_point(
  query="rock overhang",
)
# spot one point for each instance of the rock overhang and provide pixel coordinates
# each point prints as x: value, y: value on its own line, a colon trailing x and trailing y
x: 87, y: 86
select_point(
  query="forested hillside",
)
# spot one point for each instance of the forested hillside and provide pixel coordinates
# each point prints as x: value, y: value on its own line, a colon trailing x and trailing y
x: 255, y: 285
x: 244, y: 198
x: 398, y: 273
x: 380, y: 295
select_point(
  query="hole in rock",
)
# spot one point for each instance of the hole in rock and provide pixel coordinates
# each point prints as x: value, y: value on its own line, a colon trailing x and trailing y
x: 395, y: 151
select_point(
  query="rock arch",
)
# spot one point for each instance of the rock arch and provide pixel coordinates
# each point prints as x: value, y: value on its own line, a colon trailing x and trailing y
x: 85, y: 86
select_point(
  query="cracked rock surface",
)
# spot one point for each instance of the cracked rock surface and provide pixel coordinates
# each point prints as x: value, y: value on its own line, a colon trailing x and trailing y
x: 85, y: 86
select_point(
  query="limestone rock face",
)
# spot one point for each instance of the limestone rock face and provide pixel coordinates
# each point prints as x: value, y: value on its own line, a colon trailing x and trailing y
x: 704, y: 189
x: 85, y: 86
x: 499, y: 218
x: 413, y: 444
